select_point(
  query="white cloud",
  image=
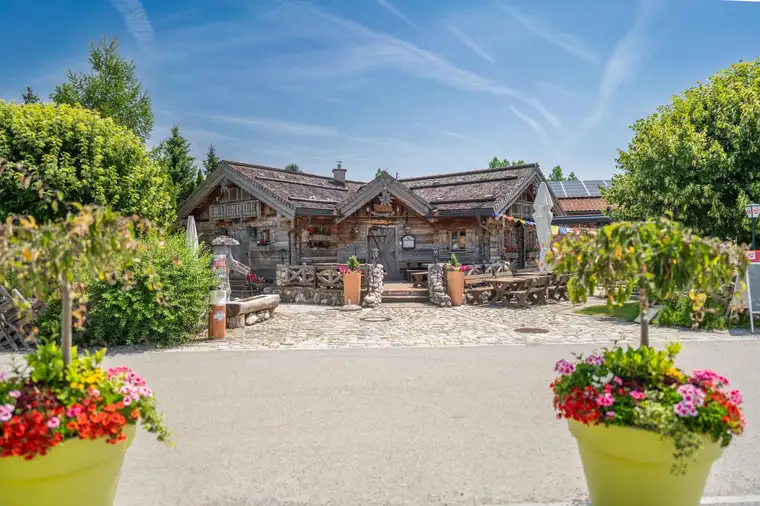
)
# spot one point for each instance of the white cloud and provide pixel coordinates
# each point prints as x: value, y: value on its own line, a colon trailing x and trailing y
x: 137, y: 21
x: 276, y: 126
x: 467, y: 41
x: 533, y: 124
x: 555, y: 89
x: 568, y: 43
x: 393, y: 10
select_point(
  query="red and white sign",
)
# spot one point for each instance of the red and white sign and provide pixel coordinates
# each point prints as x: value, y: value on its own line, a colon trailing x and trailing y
x: 752, y: 210
x: 754, y: 256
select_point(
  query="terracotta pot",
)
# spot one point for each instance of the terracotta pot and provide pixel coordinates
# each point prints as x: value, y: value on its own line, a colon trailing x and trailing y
x: 352, y: 288
x: 632, y: 467
x: 76, y: 472
x: 455, y: 280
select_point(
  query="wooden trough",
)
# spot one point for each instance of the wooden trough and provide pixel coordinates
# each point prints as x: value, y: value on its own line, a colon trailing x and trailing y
x: 238, y: 311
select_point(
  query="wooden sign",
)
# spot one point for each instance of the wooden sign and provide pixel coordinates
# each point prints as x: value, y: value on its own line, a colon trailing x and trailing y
x: 408, y: 242
x: 383, y: 208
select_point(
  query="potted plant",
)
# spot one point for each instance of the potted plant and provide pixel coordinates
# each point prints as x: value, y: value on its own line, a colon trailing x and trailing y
x: 510, y: 252
x: 254, y: 283
x: 647, y: 432
x: 352, y: 281
x: 455, y: 280
x: 65, y: 422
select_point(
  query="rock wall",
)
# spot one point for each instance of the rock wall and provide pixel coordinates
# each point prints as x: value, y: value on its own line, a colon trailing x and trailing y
x: 375, y: 286
x: 437, y: 286
x: 307, y: 295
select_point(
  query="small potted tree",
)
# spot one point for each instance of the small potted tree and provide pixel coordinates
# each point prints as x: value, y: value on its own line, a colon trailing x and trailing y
x: 647, y: 431
x: 455, y: 280
x: 65, y: 422
x: 352, y: 282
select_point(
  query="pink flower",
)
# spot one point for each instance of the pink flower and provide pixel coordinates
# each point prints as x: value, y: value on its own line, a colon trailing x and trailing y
x: 2, y: 376
x: 594, y: 360
x: 94, y: 392
x: 145, y: 392
x: 685, y: 409
x: 617, y: 380
x: 15, y: 394
x: 74, y: 412
x: 127, y: 400
x: 736, y: 396
x: 708, y: 375
x: 564, y: 367
x: 639, y: 396
x: 610, y: 415
x: 6, y: 412
x: 54, y: 422
x: 692, y: 395
x: 606, y: 399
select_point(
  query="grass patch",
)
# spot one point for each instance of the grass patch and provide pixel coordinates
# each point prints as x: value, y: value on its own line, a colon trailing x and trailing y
x: 627, y: 312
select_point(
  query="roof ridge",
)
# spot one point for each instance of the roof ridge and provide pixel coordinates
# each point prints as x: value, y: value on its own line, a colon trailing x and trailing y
x: 477, y: 171
x: 264, y: 167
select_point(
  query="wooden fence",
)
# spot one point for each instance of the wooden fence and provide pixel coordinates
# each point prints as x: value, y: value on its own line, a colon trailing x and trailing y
x: 325, y: 276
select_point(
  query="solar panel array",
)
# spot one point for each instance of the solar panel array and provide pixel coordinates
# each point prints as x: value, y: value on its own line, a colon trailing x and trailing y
x: 588, y: 188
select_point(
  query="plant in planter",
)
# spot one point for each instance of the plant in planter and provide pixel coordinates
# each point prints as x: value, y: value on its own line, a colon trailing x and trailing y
x: 66, y: 423
x: 647, y: 431
x: 455, y: 279
x: 254, y: 282
x: 352, y: 281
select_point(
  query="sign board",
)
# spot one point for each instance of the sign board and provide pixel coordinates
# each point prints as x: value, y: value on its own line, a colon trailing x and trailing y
x: 408, y: 242
x: 752, y: 280
x: 752, y: 210
x: 219, y: 268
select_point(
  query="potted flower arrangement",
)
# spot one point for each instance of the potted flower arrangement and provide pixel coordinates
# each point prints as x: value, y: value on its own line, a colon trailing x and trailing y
x: 319, y: 237
x: 510, y: 252
x: 65, y: 422
x: 647, y: 431
x: 455, y: 280
x: 352, y: 281
x: 254, y: 282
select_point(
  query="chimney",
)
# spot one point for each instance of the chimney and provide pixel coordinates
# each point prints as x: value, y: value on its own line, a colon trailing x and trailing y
x: 339, y: 174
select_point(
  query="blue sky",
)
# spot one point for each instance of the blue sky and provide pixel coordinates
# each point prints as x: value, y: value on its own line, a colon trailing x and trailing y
x: 414, y: 86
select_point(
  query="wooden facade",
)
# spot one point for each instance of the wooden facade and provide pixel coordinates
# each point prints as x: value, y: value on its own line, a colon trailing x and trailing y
x: 284, y: 217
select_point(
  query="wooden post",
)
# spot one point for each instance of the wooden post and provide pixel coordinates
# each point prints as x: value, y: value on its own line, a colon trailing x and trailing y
x: 217, y: 321
x: 644, y: 314
x: 66, y: 322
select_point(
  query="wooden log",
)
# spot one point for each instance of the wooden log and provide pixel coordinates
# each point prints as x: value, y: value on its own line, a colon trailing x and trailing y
x: 252, y: 304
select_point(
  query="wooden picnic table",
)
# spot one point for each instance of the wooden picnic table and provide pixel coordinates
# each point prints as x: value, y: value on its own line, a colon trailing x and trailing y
x: 418, y: 278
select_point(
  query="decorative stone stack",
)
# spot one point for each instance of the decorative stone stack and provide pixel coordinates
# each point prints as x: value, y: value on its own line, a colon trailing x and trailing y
x: 437, y: 286
x: 281, y: 275
x: 375, y: 286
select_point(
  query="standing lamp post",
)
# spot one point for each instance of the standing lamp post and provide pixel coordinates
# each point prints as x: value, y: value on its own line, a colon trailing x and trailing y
x: 753, y: 211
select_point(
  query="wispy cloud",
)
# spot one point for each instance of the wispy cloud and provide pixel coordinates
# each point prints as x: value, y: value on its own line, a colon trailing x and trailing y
x: 376, y: 49
x: 568, y: 43
x: 535, y: 125
x: 555, y: 89
x: 332, y: 100
x: 393, y: 10
x: 276, y: 126
x: 137, y: 21
x: 467, y: 41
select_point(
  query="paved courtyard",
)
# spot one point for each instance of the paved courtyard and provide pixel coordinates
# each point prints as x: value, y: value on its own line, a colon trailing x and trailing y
x: 419, y: 325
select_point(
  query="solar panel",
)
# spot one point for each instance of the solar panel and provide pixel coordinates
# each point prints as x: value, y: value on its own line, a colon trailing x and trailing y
x: 575, y: 189
x: 557, y: 189
x: 593, y: 185
x: 585, y: 188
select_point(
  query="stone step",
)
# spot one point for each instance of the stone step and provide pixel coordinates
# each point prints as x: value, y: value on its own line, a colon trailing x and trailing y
x: 405, y: 292
x: 390, y: 299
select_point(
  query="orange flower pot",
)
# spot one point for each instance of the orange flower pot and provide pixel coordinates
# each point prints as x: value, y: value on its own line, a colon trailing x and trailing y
x: 352, y: 288
x: 455, y: 280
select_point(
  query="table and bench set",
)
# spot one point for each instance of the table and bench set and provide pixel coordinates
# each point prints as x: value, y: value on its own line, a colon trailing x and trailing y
x: 525, y: 289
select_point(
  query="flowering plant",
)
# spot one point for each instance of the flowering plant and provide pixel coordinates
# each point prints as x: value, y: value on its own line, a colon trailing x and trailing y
x: 454, y: 265
x: 641, y: 388
x: 251, y: 278
x: 511, y: 249
x: 353, y: 266
x: 263, y: 242
x: 319, y: 230
x: 45, y: 403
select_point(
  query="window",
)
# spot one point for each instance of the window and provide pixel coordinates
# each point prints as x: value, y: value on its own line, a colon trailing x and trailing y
x: 510, y: 241
x: 458, y: 240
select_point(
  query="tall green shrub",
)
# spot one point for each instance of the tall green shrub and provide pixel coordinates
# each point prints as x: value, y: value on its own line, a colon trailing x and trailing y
x: 131, y: 315
x: 89, y: 159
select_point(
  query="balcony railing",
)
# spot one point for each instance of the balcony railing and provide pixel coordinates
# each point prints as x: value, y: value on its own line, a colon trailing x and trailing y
x: 246, y: 209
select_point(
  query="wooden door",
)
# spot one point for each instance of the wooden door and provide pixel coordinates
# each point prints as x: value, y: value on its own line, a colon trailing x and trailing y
x: 521, y: 253
x: 383, y: 239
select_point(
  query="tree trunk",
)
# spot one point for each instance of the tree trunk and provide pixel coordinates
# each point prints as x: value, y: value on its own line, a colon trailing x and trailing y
x: 66, y: 322
x: 644, y: 313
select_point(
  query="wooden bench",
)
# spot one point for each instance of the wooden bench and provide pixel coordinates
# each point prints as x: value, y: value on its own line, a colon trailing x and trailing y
x: 538, y: 290
x: 478, y: 295
x: 418, y: 278
x: 521, y: 295
x: 558, y: 289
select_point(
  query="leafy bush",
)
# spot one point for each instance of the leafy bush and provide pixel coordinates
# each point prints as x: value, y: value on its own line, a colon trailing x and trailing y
x: 679, y: 311
x: 131, y: 315
x: 90, y: 159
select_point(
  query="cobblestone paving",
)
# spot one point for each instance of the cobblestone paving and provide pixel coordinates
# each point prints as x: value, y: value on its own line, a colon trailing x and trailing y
x: 315, y: 327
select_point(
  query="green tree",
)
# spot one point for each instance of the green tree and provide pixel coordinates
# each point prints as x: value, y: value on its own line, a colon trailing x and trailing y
x: 211, y: 163
x: 199, y: 178
x: 90, y: 159
x: 29, y: 97
x: 379, y: 172
x: 173, y: 155
x: 292, y: 167
x: 556, y: 174
x: 659, y: 258
x: 111, y: 88
x: 572, y: 177
x: 696, y: 157
x: 496, y: 163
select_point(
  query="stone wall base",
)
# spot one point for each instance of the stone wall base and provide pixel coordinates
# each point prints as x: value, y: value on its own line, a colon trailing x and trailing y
x: 308, y: 295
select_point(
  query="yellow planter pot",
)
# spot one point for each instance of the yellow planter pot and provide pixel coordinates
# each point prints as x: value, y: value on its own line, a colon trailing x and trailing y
x: 631, y: 467
x: 76, y: 472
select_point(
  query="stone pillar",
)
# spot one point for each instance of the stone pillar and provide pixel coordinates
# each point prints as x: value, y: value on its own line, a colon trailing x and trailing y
x: 437, y: 286
x: 375, y: 277
x: 281, y: 275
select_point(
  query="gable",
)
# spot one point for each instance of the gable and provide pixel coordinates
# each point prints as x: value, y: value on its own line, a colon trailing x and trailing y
x: 384, y: 185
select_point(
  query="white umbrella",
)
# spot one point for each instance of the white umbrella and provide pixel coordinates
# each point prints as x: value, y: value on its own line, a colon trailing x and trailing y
x: 191, y: 235
x: 542, y: 215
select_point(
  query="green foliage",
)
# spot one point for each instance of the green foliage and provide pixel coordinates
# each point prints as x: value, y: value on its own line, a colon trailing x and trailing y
x: 292, y: 167
x: 173, y: 155
x: 111, y: 88
x: 353, y: 263
x: 556, y: 174
x: 496, y: 163
x: 29, y: 97
x: 627, y: 312
x: 679, y: 311
x: 572, y: 177
x: 89, y: 159
x: 454, y: 261
x: 379, y: 172
x: 660, y: 258
x: 120, y: 315
x: 211, y: 163
x: 697, y: 157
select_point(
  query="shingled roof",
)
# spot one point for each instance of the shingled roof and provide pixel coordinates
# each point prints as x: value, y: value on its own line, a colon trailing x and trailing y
x: 478, y: 192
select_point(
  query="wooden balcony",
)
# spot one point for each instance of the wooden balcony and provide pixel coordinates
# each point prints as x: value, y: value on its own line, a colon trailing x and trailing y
x: 241, y: 210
